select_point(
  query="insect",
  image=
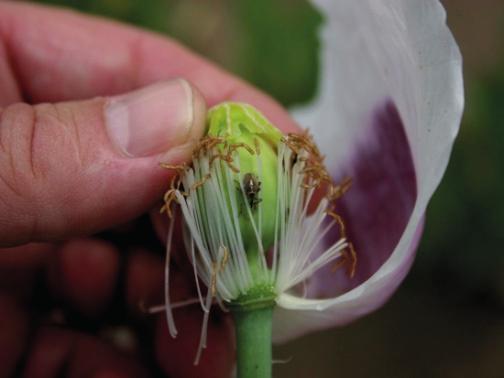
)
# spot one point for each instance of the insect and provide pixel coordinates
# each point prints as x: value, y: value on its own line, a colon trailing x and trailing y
x: 252, y: 187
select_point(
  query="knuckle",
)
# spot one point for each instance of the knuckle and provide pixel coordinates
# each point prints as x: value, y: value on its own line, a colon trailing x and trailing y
x: 38, y: 144
x: 35, y: 140
x: 16, y: 134
x: 43, y: 154
x: 16, y: 122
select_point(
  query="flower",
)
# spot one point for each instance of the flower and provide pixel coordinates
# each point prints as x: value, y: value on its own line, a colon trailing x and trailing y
x: 253, y: 222
x: 388, y: 110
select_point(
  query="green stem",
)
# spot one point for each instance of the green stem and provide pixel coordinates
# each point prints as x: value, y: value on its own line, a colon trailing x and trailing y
x: 253, y: 340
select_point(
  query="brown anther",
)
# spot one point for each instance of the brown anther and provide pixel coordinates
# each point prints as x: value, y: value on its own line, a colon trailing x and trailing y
x: 338, y: 220
x: 353, y: 260
x: 213, y: 280
x: 257, y: 146
x: 178, y: 168
x: 169, y: 197
x: 206, y: 144
x: 235, y: 146
x: 232, y: 167
x: 220, y: 156
x: 227, y: 157
x: 176, y: 182
x: 337, y: 191
x: 314, y: 170
x: 338, y: 264
x: 200, y: 183
x: 291, y: 145
x: 298, y: 142
x: 348, y: 258
x: 210, y: 142
x: 311, y: 185
x: 225, y: 258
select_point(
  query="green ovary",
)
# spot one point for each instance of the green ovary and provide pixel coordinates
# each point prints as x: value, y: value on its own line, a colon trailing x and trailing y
x: 242, y: 124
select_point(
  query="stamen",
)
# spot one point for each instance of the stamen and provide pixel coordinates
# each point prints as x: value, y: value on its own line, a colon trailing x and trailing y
x: 335, y: 192
x: 161, y: 308
x: 235, y: 146
x: 175, y: 184
x: 212, y: 293
x: 298, y: 142
x: 224, y: 259
x: 257, y: 147
x: 180, y: 168
x: 169, y: 197
x: 198, y: 287
x: 169, y: 315
x: 208, y: 143
x: 201, y: 182
x: 233, y: 168
x: 220, y: 156
x: 348, y: 258
x: 339, y: 220
x: 353, y: 259
x: 213, y: 280
x: 204, y: 329
x: 305, y: 173
x: 226, y: 158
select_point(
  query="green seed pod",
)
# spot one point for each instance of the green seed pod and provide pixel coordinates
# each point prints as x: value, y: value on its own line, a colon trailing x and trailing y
x: 254, y: 142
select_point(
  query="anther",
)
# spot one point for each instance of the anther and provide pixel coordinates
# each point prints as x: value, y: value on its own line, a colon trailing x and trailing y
x: 235, y: 146
x: 337, y: 191
x: 213, y: 280
x: 338, y: 220
x: 201, y: 182
x: 257, y: 147
x: 225, y: 258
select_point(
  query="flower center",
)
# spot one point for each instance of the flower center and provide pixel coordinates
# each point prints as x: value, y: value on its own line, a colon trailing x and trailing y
x: 256, y: 206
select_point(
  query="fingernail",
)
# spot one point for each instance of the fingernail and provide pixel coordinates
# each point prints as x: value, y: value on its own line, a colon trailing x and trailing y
x: 151, y: 120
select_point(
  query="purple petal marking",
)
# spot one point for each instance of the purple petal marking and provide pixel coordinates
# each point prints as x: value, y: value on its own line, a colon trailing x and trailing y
x: 378, y: 205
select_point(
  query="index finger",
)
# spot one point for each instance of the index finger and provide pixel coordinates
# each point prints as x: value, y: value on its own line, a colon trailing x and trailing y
x: 57, y: 55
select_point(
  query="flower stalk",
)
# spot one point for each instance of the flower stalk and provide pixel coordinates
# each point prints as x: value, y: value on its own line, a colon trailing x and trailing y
x: 253, y: 327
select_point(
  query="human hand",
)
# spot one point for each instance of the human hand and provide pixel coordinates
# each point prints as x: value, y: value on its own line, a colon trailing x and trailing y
x: 89, y: 109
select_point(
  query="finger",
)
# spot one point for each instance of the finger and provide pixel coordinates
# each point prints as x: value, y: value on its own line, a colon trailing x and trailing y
x: 20, y: 267
x: 66, y: 51
x: 176, y: 356
x: 49, y: 352
x: 10, y: 92
x: 63, y: 353
x: 13, y: 335
x: 160, y: 224
x: 85, y: 274
x: 144, y: 281
x: 74, y: 168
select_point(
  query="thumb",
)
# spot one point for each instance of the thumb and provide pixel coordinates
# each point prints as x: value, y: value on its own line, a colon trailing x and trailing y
x: 74, y: 168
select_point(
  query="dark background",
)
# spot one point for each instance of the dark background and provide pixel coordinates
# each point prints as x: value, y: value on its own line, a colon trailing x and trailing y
x: 446, y: 320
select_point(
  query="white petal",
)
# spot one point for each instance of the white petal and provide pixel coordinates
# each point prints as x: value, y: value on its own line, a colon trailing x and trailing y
x: 378, y: 51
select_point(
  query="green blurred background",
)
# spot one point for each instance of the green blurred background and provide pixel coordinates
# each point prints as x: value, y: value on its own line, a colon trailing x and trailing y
x: 446, y: 320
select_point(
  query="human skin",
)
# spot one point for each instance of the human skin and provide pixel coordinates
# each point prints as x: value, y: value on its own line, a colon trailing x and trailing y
x: 63, y: 178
